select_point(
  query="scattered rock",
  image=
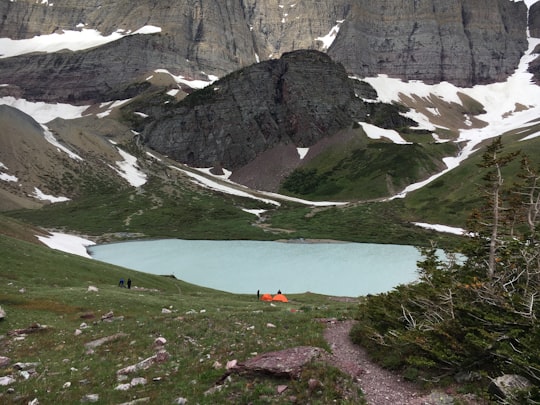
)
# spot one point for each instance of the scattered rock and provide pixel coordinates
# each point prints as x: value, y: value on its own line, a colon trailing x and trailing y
x: 166, y: 311
x: 138, y: 381
x: 2, y: 314
x: 281, y: 389
x: 160, y: 341
x: 35, y: 401
x: 35, y: 327
x: 90, y: 398
x: 4, y: 361
x: 231, y: 364
x: 507, y: 385
x: 109, y: 317
x: 122, y: 387
x: 98, y: 342
x: 180, y: 401
x: 270, y: 325
x: 25, y: 366
x: 92, y: 288
x: 6, y: 380
x: 160, y: 357
x: 217, y: 365
x: 77, y: 332
x: 136, y: 401
x: 66, y: 385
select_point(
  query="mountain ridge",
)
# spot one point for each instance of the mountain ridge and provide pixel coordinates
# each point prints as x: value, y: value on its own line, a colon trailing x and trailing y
x: 441, y: 117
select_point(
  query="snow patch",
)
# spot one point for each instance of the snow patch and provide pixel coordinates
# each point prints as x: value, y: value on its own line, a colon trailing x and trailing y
x: 67, y: 243
x: 69, y: 39
x: 44, y: 112
x: 374, y: 132
x: 329, y: 38
x: 302, y: 152
x: 40, y: 195
x: 49, y: 137
x: 194, y: 84
x: 441, y: 228
x: 129, y: 169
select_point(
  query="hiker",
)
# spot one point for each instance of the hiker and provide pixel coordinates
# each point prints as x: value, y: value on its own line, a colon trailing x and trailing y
x: 121, y: 283
x: 258, y: 294
x: 279, y: 291
x: 129, y: 283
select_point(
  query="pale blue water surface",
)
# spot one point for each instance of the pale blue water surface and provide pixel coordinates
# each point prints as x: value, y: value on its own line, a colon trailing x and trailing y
x: 342, y: 269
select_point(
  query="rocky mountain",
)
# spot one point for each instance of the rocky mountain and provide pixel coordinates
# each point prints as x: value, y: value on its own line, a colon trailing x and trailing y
x: 461, y: 41
x: 235, y: 119
x: 297, y: 90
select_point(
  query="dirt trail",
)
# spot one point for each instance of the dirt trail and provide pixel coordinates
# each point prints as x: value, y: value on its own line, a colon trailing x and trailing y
x: 380, y: 386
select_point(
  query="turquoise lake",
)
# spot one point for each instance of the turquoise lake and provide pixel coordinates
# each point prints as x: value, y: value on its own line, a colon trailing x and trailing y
x: 341, y: 269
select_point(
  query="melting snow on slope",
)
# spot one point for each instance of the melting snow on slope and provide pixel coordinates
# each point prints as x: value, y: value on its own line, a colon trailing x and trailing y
x: 329, y: 38
x: 49, y: 137
x: 501, y: 101
x: 441, y: 228
x: 129, y: 169
x: 43, y: 112
x: 5, y: 176
x: 194, y: 84
x: 72, y: 40
x: 67, y: 243
x: 40, y: 195
x: 375, y: 132
x: 236, y: 189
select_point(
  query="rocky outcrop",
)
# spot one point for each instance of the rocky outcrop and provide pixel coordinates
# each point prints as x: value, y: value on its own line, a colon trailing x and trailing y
x: 462, y: 41
x: 296, y: 100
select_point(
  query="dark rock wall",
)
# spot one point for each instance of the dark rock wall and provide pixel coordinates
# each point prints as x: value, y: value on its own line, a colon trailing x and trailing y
x: 252, y: 110
x: 462, y: 41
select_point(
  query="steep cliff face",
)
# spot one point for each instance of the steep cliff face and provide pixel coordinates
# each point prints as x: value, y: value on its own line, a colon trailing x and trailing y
x: 240, y: 116
x: 534, y: 20
x: 462, y: 41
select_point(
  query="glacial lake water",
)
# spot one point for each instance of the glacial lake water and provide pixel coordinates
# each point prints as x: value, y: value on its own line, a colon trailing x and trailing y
x: 341, y: 269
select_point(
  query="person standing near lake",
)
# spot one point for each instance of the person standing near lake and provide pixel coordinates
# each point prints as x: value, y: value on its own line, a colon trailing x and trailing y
x: 121, y: 282
x: 129, y: 283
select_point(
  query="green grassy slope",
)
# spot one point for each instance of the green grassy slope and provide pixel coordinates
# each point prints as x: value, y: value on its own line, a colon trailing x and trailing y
x: 450, y: 198
x: 41, y: 285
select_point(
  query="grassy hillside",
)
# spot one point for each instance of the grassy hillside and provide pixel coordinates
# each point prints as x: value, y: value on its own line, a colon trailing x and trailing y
x: 451, y: 197
x: 364, y: 169
x: 44, y: 286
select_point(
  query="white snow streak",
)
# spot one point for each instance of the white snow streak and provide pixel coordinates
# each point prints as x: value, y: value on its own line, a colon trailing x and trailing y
x: 69, y: 39
x: 47, y: 197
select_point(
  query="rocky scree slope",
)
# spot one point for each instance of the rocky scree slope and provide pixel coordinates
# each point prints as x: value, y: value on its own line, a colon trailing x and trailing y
x: 461, y: 41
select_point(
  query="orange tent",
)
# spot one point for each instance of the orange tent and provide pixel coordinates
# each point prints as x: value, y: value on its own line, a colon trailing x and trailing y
x: 280, y: 298
x: 266, y: 297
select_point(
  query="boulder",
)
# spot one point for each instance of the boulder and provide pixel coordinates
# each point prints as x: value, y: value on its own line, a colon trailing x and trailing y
x: 508, y: 385
x: 4, y: 361
x: 284, y: 363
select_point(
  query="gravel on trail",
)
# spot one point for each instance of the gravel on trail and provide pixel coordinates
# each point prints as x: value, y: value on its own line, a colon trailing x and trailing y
x: 380, y: 386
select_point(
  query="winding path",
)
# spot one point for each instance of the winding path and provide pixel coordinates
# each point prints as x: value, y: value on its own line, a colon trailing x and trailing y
x: 380, y: 386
